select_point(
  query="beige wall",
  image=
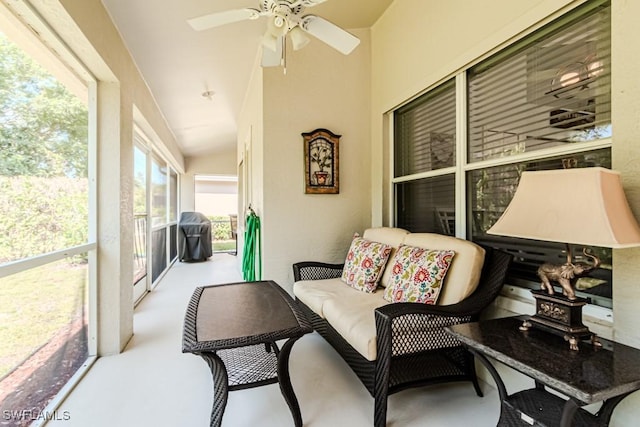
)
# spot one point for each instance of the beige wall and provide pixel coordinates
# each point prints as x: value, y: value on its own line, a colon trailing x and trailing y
x: 321, y: 89
x: 249, y: 153
x: 625, y: 107
x: 86, y: 28
x: 438, y: 38
x: 625, y: 94
x: 250, y: 142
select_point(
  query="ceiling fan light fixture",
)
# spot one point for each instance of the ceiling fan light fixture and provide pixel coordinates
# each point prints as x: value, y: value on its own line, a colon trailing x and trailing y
x: 298, y: 38
x: 280, y: 21
x: 270, y: 41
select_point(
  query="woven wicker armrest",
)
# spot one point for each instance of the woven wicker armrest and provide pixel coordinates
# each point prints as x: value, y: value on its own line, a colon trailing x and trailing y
x: 405, y: 328
x: 312, y: 270
x: 409, y: 308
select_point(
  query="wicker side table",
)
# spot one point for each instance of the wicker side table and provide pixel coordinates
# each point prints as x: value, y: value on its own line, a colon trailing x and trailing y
x: 234, y: 328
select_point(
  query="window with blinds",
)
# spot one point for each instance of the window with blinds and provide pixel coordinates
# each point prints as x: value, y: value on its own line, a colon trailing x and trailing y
x: 550, y: 90
x: 425, y: 132
x: 425, y: 141
x: 538, y: 104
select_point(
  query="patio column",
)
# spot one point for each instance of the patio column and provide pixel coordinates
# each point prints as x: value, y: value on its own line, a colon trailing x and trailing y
x: 115, y: 219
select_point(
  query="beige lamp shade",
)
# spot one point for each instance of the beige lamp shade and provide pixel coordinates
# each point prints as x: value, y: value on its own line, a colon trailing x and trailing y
x: 584, y: 206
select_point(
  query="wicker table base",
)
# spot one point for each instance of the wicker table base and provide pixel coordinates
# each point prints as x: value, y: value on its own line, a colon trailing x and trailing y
x: 263, y: 366
x: 234, y: 328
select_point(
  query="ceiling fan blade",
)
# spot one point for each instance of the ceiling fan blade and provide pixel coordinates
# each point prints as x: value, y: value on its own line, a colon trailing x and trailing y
x: 222, y: 18
x: 306, y: 3
x: 329, y: 33
x: 272, y: 58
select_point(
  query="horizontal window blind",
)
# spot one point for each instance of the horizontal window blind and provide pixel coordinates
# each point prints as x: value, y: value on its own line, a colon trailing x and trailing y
x: 552, y: 89
x: 427, y: 205
x: 425, y: 132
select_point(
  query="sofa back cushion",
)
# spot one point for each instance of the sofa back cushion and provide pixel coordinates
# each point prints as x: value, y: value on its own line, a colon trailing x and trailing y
x: 365, y: 263
x: 392, y: 237
x: 418, y: 274
x: 464, y: 273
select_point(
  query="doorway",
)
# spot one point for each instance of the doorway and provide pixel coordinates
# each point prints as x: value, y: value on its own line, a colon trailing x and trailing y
x: 216, y: 196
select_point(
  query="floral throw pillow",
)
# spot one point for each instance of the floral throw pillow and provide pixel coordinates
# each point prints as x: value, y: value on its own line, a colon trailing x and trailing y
x: 365, y: 263
x: 417, y: 274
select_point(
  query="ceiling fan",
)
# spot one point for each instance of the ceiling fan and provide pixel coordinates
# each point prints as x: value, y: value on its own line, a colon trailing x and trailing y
x: 285, y: 18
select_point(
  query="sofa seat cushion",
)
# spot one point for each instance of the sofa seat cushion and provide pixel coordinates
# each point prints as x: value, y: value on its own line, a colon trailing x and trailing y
x: 353, y: 318
x: 314, y: 293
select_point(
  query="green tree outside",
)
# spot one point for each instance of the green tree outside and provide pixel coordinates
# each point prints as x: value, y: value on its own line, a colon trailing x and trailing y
x: 43, y: 159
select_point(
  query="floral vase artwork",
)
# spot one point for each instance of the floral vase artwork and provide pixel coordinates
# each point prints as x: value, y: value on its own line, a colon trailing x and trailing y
x: 321, y: 177
x: 321, y: 162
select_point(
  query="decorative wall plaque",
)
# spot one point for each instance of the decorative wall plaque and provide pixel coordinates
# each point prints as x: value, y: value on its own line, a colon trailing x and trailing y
x: 321, y: 164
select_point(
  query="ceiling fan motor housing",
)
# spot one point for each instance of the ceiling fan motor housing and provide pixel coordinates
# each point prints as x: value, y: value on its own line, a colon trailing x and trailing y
x: 283, y: 11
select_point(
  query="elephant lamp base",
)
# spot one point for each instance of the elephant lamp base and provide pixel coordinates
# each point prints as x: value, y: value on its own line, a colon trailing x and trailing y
x: 562, y: 316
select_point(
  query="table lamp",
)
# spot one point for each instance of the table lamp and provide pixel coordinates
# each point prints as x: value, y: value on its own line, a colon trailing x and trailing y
x: 584, y: 206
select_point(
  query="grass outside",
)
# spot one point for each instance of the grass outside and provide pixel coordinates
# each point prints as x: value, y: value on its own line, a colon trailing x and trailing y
x: 224, y: 246
x: 35, y: 305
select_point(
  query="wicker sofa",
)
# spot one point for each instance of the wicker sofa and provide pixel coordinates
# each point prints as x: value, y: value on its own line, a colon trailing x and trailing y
x: 395, y: 346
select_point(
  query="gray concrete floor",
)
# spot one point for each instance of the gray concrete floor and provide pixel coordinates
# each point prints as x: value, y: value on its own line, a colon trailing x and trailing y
x: 152, y: 383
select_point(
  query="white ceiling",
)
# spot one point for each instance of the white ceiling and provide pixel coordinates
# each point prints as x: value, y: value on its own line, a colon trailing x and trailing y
x: 179, y: 64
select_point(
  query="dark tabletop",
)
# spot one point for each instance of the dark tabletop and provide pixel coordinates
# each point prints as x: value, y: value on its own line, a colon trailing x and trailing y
x: 588, y: 375
x: 239, y: 314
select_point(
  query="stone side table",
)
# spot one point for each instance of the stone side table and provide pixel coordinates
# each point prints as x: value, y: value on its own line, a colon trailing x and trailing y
x: 587, y: 376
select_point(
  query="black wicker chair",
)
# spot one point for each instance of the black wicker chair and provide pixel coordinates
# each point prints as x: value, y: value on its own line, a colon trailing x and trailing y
x: 413, y: 349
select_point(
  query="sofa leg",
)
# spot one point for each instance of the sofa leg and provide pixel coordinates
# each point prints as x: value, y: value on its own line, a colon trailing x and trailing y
x: 380, y: 394
x: 380, y: 410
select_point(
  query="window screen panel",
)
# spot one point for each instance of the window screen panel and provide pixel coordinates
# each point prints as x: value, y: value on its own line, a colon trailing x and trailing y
x: 173, y: 195
x: 425, y: 132
x: 158, y: 192
x: 159, y: 253
x: 552, y: 89
x: 427, y: 205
